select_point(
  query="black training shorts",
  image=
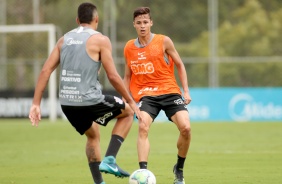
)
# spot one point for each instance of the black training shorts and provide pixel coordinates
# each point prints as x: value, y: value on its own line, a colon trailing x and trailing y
x: 82, y: 117
x: 169, y: 103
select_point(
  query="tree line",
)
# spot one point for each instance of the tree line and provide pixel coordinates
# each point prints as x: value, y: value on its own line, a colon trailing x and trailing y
x: 246, y: 28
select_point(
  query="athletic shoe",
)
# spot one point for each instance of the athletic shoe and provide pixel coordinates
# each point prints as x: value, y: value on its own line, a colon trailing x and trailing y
x: 102, y: 183
x: 179, y: 179
x: 108, y: 165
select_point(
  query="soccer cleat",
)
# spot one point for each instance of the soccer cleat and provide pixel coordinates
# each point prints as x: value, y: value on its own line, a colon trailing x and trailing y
x: 108, y: 165
x: 179, y: 179
x: 102, y: 183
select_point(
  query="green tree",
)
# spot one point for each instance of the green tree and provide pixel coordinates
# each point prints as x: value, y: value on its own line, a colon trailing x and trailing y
x: 249, y: 30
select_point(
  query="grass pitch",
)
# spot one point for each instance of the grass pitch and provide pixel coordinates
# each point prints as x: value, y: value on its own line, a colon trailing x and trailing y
x: 220, y: 153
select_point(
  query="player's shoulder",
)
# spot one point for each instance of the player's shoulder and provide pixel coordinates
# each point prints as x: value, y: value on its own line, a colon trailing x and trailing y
x: 99, y: 39
x: 166, y: 39
x: 162, y: 36
x: 60, y: 42
x: 129, y: 43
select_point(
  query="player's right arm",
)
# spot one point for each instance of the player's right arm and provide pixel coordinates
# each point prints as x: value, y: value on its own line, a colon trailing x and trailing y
x: 50, y: 65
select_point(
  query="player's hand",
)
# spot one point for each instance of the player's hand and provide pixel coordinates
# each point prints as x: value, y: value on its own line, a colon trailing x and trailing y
x: 136, y: 110
x: 35, y: 115
x: 138, y: 115
x: 187, y: 98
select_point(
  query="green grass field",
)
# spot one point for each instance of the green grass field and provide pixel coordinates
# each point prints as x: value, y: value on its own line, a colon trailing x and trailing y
x: 220, y: 153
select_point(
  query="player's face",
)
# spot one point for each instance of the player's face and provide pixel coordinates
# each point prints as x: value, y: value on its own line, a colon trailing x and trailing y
x: 142, y: 24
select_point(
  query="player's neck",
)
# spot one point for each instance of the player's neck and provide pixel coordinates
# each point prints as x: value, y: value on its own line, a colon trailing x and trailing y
x: 88, y: 26
x: 145, y: 40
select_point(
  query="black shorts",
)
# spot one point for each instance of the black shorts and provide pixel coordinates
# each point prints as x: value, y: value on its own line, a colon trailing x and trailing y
x: 170, y: 104
x: 82, y: 117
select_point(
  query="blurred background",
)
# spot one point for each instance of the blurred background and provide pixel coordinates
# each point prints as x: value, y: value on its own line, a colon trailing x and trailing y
x: 232, y: 51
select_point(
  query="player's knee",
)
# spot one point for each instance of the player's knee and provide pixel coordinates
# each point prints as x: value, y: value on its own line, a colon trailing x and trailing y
x: 185, y: 131
x: 143, y: 129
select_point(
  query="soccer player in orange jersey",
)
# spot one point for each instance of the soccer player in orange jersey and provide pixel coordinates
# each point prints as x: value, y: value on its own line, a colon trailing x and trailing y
x: 149, y: 75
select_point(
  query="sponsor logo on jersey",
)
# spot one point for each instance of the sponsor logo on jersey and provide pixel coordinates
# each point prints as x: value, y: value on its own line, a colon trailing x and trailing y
x: 141, y: 55
x: 71, y: 41
x: 147, y: 89
x: 71, y: 98
x: 70, y: 92
x: 71, y: 79
x: 144, y: 68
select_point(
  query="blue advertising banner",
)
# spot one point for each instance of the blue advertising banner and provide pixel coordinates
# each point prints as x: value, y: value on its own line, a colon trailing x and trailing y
x: 234, y: 104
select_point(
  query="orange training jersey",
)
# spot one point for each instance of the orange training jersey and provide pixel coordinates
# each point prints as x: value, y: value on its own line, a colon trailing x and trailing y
x: 152, y: 74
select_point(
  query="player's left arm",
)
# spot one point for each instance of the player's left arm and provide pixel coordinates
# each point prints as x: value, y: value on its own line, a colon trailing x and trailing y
x: 172, y: 52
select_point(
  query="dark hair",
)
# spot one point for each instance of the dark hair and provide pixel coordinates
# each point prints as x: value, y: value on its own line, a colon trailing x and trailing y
x: 141, y: 11
x: 85, y: 12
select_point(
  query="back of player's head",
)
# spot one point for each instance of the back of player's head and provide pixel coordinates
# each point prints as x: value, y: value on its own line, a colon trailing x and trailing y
x: 86, y: 12
x: 141, y: 11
